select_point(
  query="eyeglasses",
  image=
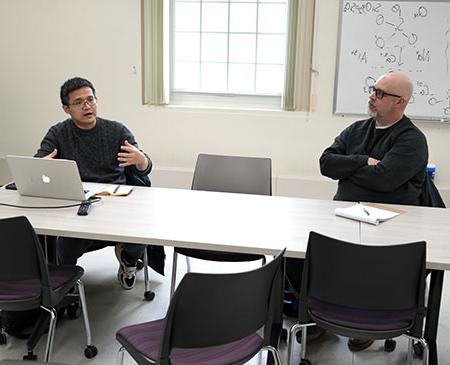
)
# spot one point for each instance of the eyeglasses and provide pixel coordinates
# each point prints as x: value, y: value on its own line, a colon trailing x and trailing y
x: 91, y: 101
x: 380, y: 94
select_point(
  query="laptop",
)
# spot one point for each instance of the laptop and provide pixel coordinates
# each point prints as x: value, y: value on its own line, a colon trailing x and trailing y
x: 49, y: 178
x: 5, y: 176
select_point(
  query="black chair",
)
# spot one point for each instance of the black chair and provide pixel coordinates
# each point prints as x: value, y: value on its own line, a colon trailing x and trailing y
x: 28, y: 282
x: 212, y: 319
x: 366, y: 292
x: 230, y: 174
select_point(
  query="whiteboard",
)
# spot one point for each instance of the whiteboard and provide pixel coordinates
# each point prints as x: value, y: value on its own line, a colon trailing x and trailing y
x: 381, y: 36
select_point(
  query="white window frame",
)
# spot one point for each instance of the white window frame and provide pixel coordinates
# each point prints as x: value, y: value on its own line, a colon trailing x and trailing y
x: 297, y: 88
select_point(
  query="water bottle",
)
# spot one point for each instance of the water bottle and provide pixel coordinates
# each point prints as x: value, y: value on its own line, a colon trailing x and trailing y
x: 431, y: 170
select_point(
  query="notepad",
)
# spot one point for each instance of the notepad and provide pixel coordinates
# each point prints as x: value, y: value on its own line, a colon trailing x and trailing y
x: 368, y: 213
x: 116, y: 190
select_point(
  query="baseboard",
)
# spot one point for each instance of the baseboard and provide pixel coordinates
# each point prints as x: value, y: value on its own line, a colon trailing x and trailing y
x: 282, y: 185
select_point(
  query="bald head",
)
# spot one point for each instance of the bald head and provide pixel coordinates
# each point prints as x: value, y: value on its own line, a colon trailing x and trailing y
x: 398, y: 83
x: 396, y: 91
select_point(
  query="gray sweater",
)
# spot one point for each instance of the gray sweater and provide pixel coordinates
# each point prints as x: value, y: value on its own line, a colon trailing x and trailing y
x: 94, y: 150
x: 398, y: 178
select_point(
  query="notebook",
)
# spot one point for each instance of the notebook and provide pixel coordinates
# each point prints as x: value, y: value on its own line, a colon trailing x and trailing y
x: 368, y: 213
x: 49, y: 178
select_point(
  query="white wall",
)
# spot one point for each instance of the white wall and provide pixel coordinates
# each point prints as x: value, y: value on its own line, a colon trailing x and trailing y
x: 44, y: 42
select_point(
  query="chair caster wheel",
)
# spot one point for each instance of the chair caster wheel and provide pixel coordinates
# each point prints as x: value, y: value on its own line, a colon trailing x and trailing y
x: 149, y: 295
x: 139, y: 264
x: 30, y: 356
x: 90, y: 351
x: 2, y: 339
x: 73, y: 311
x: 283, y: 335
x: 389, y: 345
x: 305, y: 362
x: 418, y: 349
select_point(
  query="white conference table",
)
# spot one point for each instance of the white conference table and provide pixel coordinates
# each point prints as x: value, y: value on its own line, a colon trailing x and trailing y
x: 239, y: 223
x: 194, y: 219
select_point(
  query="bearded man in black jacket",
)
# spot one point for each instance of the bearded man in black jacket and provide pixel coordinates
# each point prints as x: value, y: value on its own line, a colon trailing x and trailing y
x: 383, y: 158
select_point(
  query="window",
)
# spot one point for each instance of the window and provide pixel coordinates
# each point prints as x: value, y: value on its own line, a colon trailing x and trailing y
x: 229, y: 46
x: 227, y: 52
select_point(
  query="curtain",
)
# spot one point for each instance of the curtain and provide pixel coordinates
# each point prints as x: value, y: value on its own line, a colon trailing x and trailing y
x: 154, y: 88
x: 297, y: 83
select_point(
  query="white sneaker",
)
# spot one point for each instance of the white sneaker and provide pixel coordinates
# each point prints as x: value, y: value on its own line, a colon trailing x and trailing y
x: 126, y: 274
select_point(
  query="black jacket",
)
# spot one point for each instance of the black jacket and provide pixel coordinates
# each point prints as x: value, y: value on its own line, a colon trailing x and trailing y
x: 398, y: 178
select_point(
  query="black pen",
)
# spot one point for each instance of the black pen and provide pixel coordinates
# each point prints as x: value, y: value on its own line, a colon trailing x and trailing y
x: 116, y: 189
x: 366, y: 211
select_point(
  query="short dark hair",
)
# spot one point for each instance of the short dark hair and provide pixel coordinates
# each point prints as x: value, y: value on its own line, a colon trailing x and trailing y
x: 71, y: 85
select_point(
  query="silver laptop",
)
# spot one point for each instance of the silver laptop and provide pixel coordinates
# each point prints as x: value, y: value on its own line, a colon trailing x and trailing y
x: 49, y: 178
x: 5, y: 176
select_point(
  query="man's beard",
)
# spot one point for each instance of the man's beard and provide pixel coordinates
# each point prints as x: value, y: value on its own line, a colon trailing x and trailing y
x: 372, y: 112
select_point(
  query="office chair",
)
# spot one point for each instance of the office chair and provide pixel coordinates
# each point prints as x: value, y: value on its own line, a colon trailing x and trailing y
x: 212, y: 319
x: 231, y: 174
x: 366, y: 292
x: 27, y: 282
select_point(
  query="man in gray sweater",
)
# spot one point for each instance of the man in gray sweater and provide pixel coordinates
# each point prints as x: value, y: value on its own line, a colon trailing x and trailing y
x: 380, y: 159
x: 105, y: 152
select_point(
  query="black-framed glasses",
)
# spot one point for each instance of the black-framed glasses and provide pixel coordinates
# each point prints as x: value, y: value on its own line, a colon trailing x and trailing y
x: 380, y: 94
x: 91, y: 101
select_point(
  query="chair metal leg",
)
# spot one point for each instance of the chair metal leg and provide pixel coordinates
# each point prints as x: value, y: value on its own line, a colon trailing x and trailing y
x: 188, y: 264
x: 51, y: 332
x: 292, y: 332
x: 425, y: 351
x: 148, y: 294
x: 275, y: 354
x: 410, y: 351
x: 120, y: 354
x: 145, y: 260
x: 304, y: 336
x: 174, y: 273
x: 425, y: 348
x: 87, y: 327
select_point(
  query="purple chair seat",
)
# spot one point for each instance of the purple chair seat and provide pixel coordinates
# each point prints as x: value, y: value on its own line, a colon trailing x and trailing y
x: 146, y: 338
x: 363, y: 319
x: 31, y: 288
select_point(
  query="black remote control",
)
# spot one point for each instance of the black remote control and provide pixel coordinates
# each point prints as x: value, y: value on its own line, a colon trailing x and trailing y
x: 84, y: 207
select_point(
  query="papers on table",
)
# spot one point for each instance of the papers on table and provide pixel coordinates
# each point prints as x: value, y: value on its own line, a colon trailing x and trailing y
x: 368, y: 213
x: 116, y: 190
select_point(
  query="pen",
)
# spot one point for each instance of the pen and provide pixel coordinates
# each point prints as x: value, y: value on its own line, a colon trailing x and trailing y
x: 116, y: 189
x: 366, y: 211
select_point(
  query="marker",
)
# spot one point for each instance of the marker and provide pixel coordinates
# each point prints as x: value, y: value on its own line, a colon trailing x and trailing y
x: 366, y: 211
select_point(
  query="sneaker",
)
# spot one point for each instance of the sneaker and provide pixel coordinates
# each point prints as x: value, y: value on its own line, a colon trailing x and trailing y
x: 356, y: 344
x: 127, y: 273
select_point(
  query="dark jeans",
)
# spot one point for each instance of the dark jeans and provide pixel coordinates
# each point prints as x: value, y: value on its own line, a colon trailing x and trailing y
x: 70, y: 249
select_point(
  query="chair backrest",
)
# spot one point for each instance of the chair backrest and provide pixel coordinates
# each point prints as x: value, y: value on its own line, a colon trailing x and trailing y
x: 213, y: 309
x: 430, y: 197
x: 390, y: 277
x: 21, y: 256
x: 233, y: 174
